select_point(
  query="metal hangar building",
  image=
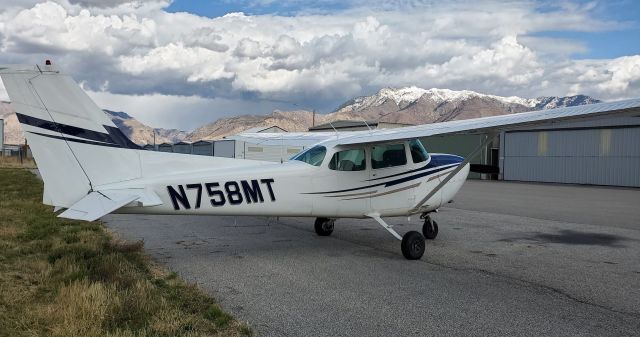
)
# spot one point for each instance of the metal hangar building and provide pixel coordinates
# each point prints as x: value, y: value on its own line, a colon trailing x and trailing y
x: 594, y: 151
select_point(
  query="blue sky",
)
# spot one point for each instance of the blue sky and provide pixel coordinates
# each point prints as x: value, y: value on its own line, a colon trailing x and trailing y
x: 609, y: 43
x: 287, y: 8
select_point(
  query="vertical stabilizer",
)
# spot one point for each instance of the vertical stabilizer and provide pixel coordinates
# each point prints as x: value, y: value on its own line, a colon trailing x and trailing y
x: 76, y: 146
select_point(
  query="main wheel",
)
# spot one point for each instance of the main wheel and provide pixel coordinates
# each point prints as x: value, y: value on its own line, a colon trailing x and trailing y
x: 430, y: 229
x: 413, y: 245
x: 324, y: 226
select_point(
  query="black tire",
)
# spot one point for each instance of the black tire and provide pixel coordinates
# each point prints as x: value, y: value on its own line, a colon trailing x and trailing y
x: 324, y: 226
x: 413, y: 245
x: 428, y: 231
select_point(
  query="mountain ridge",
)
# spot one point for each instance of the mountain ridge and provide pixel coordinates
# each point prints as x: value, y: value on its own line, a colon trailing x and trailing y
x: 408, y: 105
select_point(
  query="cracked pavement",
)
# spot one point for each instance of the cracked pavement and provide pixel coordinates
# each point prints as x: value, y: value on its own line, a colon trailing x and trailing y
x: 510, y: 259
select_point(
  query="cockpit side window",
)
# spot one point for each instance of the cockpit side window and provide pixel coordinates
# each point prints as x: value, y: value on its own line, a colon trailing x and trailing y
x: 313, y: 156
x: 418, y: 152
x: 348, y: 160
x: 388, y: 155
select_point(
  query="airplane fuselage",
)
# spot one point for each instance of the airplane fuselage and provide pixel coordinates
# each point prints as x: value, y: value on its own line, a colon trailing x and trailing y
x: 296, y: 188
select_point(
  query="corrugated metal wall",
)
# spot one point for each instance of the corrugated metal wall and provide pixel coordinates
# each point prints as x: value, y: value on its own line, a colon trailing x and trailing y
x: 224, y: 148
x: 182, y: 148
x: 599, y: 156
x: 202, y: 148
x: 165, y: 148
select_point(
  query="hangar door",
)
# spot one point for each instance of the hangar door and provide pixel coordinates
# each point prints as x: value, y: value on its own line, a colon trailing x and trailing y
x: 597, y: 156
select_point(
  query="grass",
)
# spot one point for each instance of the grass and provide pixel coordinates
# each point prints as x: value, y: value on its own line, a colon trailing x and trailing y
x: 60, y: 277
x: 14, y: 162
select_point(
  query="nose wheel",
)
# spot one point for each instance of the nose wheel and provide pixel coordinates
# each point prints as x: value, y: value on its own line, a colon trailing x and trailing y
x: 429, y: 228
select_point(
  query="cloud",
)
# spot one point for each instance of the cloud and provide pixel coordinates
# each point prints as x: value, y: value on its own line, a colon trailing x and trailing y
x: 506, y: 61
x: 50, y: 27
x: 617, y: 79
x: 101, y: 3
x: 194, y: 63
x: 314, y: 60
x: 184, y: 112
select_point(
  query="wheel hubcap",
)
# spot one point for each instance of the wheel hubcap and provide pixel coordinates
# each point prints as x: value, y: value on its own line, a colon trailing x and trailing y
x: 416, y: 246
x: 327, y: 226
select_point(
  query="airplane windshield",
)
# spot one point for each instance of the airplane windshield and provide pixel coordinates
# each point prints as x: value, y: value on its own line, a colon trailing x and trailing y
x: 313, y: 156
x: 418, y: 152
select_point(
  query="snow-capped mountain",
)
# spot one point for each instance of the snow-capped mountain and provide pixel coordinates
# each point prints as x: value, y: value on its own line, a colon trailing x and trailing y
x: 409, y: 95
x: 558, y: 102
x: 414, y: 105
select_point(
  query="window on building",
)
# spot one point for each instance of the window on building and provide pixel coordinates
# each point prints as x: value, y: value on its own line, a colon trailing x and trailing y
x: 390, y: 155
x: 313, y: 156
x: 348, y: 160
x: 418, y: 152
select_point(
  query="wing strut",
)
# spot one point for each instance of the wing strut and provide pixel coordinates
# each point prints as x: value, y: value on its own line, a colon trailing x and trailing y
x: 488, y: 138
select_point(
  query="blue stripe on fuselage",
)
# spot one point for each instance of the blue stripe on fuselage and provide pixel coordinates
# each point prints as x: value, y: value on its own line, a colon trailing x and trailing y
x: 438, y: 162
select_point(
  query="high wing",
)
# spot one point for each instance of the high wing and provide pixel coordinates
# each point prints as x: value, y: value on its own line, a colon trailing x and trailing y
x: 629, y: 107
x: 492, y: 124
x: 288, y: 138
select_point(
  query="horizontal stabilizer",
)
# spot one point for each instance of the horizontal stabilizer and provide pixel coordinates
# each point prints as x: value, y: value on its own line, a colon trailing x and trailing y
x: 97, y: 204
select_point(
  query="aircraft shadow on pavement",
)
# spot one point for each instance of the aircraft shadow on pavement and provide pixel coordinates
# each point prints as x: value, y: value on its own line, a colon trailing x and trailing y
x: 571, y: 237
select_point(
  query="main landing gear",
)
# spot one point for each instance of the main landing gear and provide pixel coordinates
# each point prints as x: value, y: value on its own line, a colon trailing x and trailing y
x: 412, y: 246
x: 324, y: 226
x: 412, y: 243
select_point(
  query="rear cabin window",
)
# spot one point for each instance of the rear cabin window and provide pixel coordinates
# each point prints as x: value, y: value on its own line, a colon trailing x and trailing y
x: 348, y: 160
x: 383, y: 156
x: 313, y: 156
x: 418, y: 152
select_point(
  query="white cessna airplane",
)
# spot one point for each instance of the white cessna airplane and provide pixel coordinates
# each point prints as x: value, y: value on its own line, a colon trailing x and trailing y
x: 90, y: 168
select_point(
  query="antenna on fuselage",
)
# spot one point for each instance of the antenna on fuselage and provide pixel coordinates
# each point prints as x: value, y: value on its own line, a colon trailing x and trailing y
x: 334, y: 129
x: 281, y: 147
x: 367, y: 124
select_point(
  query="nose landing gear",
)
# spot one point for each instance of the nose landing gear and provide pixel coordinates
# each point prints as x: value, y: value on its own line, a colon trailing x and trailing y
x: 430, y: 227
